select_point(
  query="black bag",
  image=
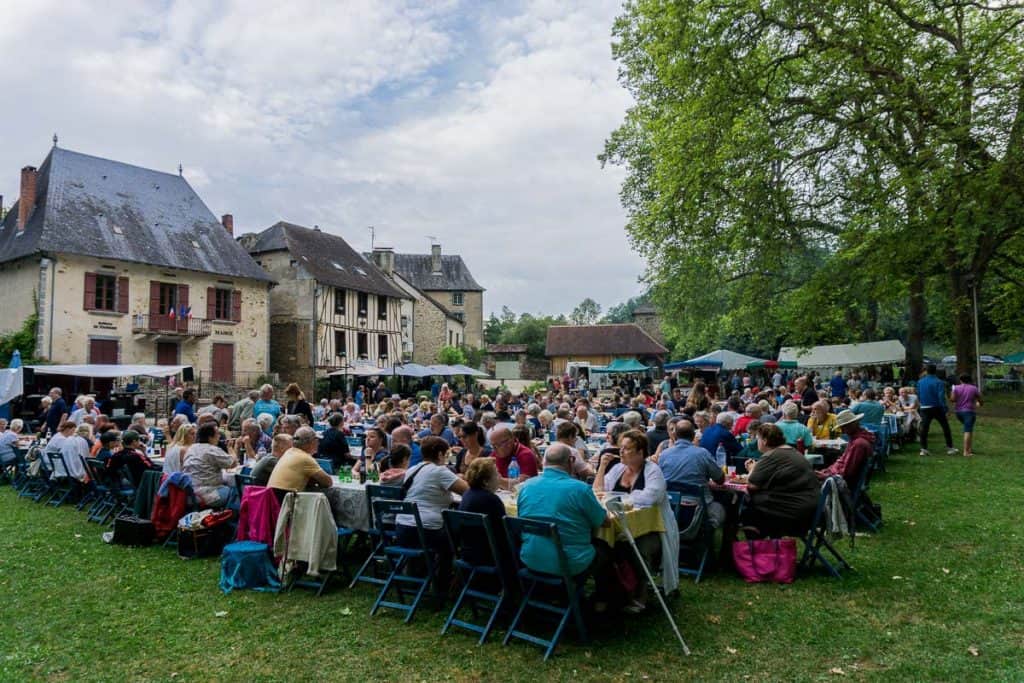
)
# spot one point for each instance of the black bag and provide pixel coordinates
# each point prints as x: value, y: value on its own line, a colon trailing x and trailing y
x: 132, y: 530
x: 204, y: 542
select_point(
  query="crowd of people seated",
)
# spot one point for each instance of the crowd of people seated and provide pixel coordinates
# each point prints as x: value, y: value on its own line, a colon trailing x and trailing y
x: 556, y: 452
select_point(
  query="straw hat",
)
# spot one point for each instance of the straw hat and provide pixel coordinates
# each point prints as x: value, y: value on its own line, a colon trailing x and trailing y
x: 847, y: 417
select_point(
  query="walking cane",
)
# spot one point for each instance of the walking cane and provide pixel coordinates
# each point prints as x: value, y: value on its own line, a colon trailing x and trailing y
x: 614, y: 506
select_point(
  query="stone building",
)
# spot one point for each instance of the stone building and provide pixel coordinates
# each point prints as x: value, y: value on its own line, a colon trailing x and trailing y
x: 646, y: 316
x: 331, y: 308
x: 127, y: 265
x: 448, y: 282
x: 432, y: 326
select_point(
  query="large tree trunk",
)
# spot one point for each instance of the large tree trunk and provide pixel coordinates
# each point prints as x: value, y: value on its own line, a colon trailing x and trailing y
x: 963, y: 322
x: 915, y: 326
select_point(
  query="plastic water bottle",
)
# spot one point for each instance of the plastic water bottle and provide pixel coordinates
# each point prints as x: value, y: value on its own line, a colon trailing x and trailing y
x: 261, y: 452
x: 720, y: 456
x: 513, y: 470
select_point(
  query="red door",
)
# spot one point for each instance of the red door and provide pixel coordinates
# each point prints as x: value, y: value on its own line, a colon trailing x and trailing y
x: 103, y: 351
x: 223, y: 369
x: 166, y: 353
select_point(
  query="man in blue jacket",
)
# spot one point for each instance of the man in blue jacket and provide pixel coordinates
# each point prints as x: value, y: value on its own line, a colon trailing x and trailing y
x: 931, y: 392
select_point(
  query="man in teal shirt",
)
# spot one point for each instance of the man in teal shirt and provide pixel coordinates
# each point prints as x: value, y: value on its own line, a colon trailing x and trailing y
x: 869, y: 407
x: 558, y: 497
x: 267, y: 405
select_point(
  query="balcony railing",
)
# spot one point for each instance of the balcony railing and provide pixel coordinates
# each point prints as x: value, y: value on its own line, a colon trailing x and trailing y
x: 143, y: 323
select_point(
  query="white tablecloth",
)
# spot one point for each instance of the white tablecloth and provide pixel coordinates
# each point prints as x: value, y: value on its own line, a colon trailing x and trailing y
x: 353, y: 511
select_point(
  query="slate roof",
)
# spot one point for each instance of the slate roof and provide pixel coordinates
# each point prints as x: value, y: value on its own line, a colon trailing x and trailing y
x: 81, y: 199
x: 417, y: 269
x: 627, y: 339
x: 328, y: 258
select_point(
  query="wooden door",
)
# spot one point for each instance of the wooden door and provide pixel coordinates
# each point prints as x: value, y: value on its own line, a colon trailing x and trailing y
x: 166, y: 353
x: 223, y: 366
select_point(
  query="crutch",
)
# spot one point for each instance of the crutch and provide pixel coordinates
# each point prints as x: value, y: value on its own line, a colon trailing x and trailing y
x: 614, y: 505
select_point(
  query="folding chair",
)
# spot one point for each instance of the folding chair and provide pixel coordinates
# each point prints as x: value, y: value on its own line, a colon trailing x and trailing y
x: 105, y: 503
x: 38, y: 486
x: 377, y: 533
x: 241, y: 481
x: 864, y: 513
x: 696, y: 535
x: 882, y: 445
x: 517, y: 527
x: 62, y: 484
x: 354, y: 441
x: 458, y: 525
x: 816, y: 542
x: 403, y: 571
x: 326, y: 465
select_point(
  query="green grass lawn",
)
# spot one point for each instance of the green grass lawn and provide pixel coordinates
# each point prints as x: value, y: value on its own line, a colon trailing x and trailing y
x: 937, y: 595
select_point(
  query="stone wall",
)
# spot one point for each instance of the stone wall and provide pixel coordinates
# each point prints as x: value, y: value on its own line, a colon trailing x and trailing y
x: 20, y: 282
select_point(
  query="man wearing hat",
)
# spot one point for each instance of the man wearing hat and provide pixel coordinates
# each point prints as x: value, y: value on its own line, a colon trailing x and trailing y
x: 860, y: 446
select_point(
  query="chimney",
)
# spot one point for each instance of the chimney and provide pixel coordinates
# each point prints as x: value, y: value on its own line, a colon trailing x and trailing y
x: 435, y: 258
x: 228, y: 221
x: 27, y: 199
x: 384, y: 258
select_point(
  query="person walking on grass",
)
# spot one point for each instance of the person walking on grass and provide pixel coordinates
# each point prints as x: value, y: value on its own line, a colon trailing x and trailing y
x: 966, y: 401
x: 931, y: 391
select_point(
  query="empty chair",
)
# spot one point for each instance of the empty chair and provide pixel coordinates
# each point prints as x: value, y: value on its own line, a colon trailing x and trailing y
x: 411, y: 567
x: 472, y: 571
x: 531, y: 581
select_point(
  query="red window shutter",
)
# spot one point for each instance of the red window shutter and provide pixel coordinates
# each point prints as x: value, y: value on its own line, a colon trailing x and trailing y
x: 236, y: 306
x: 122, y: 295
x: 183, y: 296
x: 89, y: 299
x: 211, y: 303
x: 154, y: 299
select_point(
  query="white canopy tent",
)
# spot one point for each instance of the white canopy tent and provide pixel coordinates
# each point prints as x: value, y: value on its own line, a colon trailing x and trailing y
x: 730, y: 360
x: 845, y: 355
x: 111, y: 371
x: 11, y: 385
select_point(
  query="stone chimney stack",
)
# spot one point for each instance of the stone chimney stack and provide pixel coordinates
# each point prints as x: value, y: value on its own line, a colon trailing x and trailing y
x: 384, y: 258
x: 435, y: 258
x: 27, y: 198
x: 228, y: 221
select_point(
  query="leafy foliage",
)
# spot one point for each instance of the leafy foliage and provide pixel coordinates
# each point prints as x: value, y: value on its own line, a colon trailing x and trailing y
x: 451, y: 355
x: 22, y: 340
x: 524, y: 329
x: 586, y: 313
x: 794, y: 166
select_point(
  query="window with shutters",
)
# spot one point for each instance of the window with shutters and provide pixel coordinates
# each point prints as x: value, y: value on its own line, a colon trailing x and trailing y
x: 364, y: 303
x: 339, y: 301
x: 456, y: 298
x: 339, y: 344
x: 382, y: 346
x: 382, y: 308
x: 103, y: 351
x: 106, y: 293
x: 222, y: 304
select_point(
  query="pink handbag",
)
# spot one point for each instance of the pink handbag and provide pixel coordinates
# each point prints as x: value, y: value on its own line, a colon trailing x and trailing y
x: 766, y: 560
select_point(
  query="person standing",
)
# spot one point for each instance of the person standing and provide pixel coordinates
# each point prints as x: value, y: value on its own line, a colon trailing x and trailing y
x: 931, y: 392
x: 966, y: 401
x: 58, y: 411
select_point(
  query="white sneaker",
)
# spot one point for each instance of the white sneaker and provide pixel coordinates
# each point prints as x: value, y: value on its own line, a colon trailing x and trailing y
x: 951, y: 451
x: 634, y: 607
x: 924, y: 451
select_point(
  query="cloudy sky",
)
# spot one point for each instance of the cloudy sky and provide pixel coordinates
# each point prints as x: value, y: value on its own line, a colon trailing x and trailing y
x: 476, y: 122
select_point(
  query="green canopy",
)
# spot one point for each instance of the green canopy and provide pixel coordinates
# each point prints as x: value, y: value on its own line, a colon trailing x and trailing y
x: 1015, y: 358
x: 623, y: 365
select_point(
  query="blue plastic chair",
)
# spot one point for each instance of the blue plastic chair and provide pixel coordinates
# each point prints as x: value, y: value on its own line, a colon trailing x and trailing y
x: 517, y: 527
x: 816, y: 543
x: 404, y: 572
x: 458, y: 525
x: 325, y: 464
x: 696, y: 535
x: 354, y: 441
x: 377, y: 533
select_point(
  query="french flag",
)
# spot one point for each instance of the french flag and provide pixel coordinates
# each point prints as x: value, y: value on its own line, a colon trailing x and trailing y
x: 185, y: 313
x: 170, y: 313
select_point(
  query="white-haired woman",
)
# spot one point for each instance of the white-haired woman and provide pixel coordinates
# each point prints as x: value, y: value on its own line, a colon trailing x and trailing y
x: 8, y: 438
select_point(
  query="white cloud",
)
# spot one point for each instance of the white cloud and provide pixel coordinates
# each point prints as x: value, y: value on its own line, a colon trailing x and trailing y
x: 475, y: 123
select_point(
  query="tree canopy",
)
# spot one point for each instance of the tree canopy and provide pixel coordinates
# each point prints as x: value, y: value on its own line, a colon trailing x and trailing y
x: 815, y: 171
